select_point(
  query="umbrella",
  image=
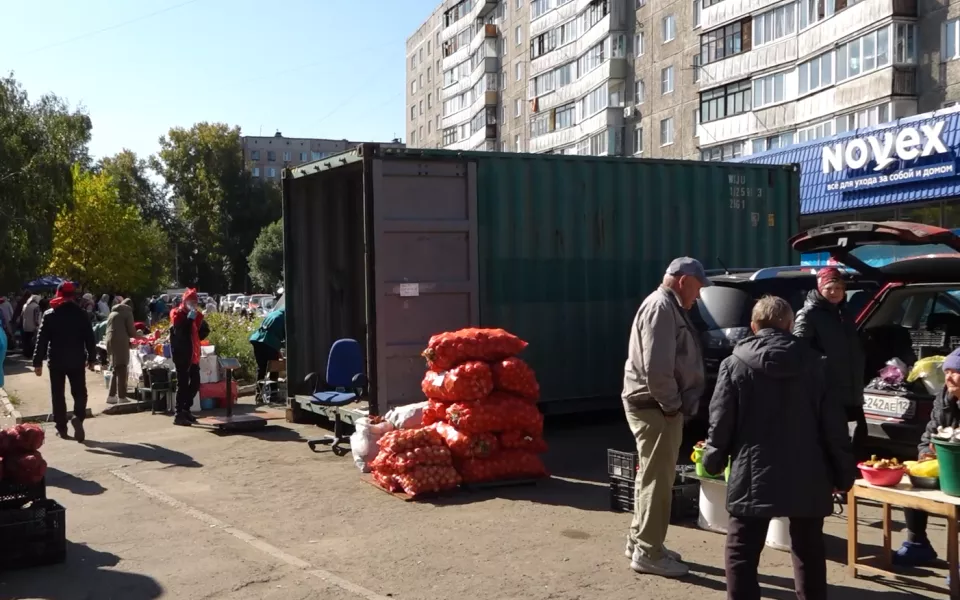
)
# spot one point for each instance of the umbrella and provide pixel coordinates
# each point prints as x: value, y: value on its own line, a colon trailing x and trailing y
x: 47, y: 282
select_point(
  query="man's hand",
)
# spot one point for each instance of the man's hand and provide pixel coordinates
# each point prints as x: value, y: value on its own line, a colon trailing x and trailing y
x: 38, y: 371
x: 925, y: 457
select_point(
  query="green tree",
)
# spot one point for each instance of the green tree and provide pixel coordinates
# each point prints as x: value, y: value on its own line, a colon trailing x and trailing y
x: 131, y: 175
x: 266, y: 260
x: 104, y: 244
x: 39, y: 143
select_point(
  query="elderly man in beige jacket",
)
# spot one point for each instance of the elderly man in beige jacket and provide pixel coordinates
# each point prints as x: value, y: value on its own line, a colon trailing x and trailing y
x: 120, y: 328
x: 663, y: 381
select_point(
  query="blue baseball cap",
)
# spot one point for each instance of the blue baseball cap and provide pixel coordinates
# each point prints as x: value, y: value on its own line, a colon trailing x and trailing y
x: 690, y: 267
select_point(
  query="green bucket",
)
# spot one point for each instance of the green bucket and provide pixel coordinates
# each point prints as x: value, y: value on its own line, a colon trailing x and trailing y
x: 948, y: 454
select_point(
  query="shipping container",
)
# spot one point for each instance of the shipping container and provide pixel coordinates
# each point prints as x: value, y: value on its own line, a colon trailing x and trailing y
x: 391, y: 246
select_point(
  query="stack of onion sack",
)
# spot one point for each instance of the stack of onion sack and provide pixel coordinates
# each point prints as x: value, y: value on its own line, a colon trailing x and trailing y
x: 415, y: 461
x: 20, y: 461
x: 483, y: 400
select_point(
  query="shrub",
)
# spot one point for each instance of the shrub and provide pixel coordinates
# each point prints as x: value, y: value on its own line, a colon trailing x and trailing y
x: 231, y: 335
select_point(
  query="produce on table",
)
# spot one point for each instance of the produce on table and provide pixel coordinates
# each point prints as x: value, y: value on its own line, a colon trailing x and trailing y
x: 501, y: 413
x: 388, y: 462
x: 446, y: 350
x: 885, y: 463
x: 518, y: 440
x: 506, y: 464
x: 470, y: 381
x: 927, y: 468
x: 27, y: 468
x: 435, y: 412
x: 401, y: 440
x: 516, y: 376
x: 430, y: 479
x: 467, y: 445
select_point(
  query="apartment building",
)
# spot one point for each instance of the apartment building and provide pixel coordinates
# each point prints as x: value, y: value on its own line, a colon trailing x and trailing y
x: 266, y: 156
x: 424, y: 82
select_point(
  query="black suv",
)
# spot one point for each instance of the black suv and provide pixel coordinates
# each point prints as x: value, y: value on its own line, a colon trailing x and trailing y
x: 722, y: 314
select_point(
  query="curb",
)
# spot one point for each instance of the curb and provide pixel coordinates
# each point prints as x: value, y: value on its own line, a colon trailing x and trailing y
x: 7, y: 407
x: 48, y: 417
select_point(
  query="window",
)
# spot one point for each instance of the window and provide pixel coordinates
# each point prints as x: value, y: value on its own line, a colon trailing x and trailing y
x: 638, y: 44
x: 519, y: 69
x: 420, y: 134
x: 591, y: 59
x: 905, y: 43
x: 449, y: 136
x: 429, y: 100
x: 638, y: 91
x: 696, y: 68
x: 724, y: 152
x: 421, y: 108
x: 869, y: 117
x: 543, y: 43
x: 707, y: 3
x: 638, y: 140
x: 594, y: 102
x: 413, y: 112
x: 254, y: 155
x: 669, y: 28
x: 696, y: 122
x: 773, y: 142
x: 420, y: 57
x: 271, y: 156
x: 723, y: 42
x: 518, y: 33
x: 303, y: 157
x: 413, y: 86
x: 696, y: 13
x: 413, y: 137
x: 255, y: 171
x: 618, y: 46
x: 666, y: 131
x: 816, y: 73
x: 641, y: 3
x: 271, y: 172
x: 420, y: 83
x: 568, y: 32
x: 519, y: 4
x: 566, y: 116
x: 286, y: 156
x: 768, y: 90
x: 666, y: 80
x: 814, y: 11
x: 774, y: 24
x: 518, y: 107
x: 864, y: 54
x: 725, y: 101
x: 428, y: 74
x: 428, y: 47
x: 516, y: 143
x: 315, y: 155
x: 538, y: 7
x: 949, y: 46
x: 429, y: 126
x: 815, y: 132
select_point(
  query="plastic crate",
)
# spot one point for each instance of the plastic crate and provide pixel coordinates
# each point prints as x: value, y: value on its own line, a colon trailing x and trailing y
x: 684, y: 507
x: 33, y: 536
x: 622, y: 464
x: 16, y: 495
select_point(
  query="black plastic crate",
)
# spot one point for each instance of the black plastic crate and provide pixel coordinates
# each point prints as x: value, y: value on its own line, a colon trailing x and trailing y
x: 686, y: 497
x: 15, y: 495
x: 33, y: 536
x: 622, y: 464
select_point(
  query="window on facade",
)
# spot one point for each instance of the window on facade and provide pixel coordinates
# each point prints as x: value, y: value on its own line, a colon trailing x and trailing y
x: 594, y: 102
x: 696, y: 122
x: 449, y: 136
x: 668, y: 28
x: 638, y: 91
x: 768, y: 90
x: 707, y: 3
x: 303, y: 157
x: 516, y: 143
x: 905, y: 43
x: 815, y: 132
x: 428, y: 47
x: 774, y: 24
x: 286, y: 156
x: 254, y: 155
x: 638, y: 44
x: 458, y: 12
x: 724, y: 152
x: 567, y: 32
x: 518, y: 107
x: 540, y: 125
x: 591, y: 59
x: 864, y: 54
x: 638, y: 140
x: 666, y: 131
x: 429, y: 126
x: 519, y: 71
x: 814, y: 11
x: 543, y: 43
x: 538, y: 7
x: 726, y: 41
x: 315, y: 155
x: 429, y: 70
x: 271, y: 156
x: 950, y: 40
x: 420, y: 57
x: 725, y: 101
x: 518, y: 33
x: 271, y: 172
x: 666, y: 80
x: 869, y: 117
x: 565, y: 116
x: 816, y: 73
x: 255, y: 171
x: 773, y: 142
x: 618, y: 46
x: 421, y: 108
x: 696, y: 13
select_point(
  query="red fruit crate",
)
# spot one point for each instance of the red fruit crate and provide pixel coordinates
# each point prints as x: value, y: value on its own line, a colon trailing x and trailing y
x: 33, y: 536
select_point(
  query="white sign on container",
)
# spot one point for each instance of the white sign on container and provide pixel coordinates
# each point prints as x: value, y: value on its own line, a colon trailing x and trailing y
x: 409, y: 290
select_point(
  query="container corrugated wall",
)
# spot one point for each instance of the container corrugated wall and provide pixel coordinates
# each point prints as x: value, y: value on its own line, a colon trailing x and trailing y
x: 569, y: 246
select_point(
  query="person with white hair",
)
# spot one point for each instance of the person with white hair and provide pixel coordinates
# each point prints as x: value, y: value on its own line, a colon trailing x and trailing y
x: 103, y: 307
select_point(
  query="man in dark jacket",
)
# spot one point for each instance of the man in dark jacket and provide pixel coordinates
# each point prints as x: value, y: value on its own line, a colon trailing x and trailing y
x: 831, y: 329
x: 187, y: 329
x: 65, y: 339
x: 917, y: 550
x: 788, y: 447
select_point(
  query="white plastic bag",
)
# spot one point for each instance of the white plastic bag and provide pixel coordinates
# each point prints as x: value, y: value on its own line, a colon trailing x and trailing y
x: 363, y: 442
x: 406, y: 417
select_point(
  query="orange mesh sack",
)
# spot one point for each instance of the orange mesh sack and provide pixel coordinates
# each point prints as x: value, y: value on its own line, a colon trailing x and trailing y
x: 447, y: 350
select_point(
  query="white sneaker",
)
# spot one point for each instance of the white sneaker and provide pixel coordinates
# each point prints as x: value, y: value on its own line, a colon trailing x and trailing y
x: 112, y: 400
x: 665, y: 567
x: 666, y: 552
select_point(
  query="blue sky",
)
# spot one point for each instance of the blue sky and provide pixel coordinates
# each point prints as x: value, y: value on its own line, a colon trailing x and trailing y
x: 309, y: 68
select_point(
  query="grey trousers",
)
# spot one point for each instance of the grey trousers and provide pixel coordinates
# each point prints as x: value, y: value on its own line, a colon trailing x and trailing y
x: 118, y: 383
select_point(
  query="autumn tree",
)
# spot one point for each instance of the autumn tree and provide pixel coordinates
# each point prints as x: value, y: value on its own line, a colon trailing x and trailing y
x: 131, y: 176
x: 104, y: 244
x: 266, y: 260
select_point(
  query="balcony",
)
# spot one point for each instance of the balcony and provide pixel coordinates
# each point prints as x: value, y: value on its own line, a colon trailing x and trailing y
x: 904, y: 81
x: 553, y: 18
x: 746, y: 64
x: 610, y: 117
x: 731, y: 10
x: 571, y: 51
x: 859, y: 17
x: 482, y: 8
x: 615, y: 68
x: 489, y: 98
x: 488, y: 132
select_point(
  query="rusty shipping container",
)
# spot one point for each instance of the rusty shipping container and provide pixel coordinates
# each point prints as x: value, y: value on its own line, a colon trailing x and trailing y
x: 391, y: 246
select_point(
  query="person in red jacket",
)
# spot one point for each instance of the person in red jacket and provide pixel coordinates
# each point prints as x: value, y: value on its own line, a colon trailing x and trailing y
x: 187, y: 329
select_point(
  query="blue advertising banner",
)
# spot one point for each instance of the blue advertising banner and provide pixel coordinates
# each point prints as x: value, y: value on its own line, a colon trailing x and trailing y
x: 898, y: 176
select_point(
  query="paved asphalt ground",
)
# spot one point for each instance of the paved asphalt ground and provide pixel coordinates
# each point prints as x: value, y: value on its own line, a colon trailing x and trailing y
x: 157, y: 511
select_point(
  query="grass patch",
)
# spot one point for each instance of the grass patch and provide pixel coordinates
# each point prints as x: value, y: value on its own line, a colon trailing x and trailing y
x: 14, y: 399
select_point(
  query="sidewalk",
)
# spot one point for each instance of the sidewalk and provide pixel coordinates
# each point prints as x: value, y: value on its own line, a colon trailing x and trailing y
x: 31, y: 394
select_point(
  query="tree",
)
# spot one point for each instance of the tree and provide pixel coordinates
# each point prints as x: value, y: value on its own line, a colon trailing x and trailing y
x: 131, y: 175
x: 39, y: 143
x: 266, y: 260
x: 103, y: 244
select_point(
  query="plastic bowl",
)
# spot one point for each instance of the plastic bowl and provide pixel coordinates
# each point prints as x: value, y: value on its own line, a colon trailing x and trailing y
x: 882, y: 477
x: 924, y: 483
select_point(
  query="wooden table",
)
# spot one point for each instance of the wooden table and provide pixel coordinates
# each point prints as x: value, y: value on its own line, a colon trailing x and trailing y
x: 903, y: 495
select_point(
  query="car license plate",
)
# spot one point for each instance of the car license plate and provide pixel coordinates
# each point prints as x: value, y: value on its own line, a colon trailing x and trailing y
x: 892, y: 406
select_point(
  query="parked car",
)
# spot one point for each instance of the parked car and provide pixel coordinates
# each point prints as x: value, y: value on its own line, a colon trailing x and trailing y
x: 227, y: 302
x: 914, y: 314
x: 240, y: 304
x: 253, y: 304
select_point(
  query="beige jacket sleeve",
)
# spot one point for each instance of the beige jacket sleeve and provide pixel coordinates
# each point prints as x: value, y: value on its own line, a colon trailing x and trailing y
x: 657, y: 329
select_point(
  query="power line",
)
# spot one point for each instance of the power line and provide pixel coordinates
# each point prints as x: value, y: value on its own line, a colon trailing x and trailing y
x: 110, y: 27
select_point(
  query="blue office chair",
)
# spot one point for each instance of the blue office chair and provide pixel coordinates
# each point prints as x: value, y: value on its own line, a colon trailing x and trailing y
x: 345, y: 383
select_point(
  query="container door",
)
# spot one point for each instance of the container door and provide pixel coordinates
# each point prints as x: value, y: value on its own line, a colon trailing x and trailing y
x: 425, y: 265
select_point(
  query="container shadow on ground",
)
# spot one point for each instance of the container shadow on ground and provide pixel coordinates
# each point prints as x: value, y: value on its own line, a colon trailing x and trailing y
x: 142, y: 453
x: 73, y: 484
x: 85, y: 574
